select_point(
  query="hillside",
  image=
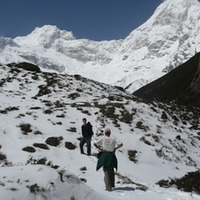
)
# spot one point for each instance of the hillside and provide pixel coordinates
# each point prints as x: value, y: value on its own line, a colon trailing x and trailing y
x: 41, y: 114
x: 181, y: 85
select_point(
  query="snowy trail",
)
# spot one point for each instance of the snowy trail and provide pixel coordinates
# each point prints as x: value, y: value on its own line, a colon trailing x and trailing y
x: 127, y: 191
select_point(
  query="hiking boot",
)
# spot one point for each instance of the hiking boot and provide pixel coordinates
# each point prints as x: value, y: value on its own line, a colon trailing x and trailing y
x: 108, y: 189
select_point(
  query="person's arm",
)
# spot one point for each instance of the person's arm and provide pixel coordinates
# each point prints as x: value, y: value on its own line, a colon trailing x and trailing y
x: 98, y: 146
x: 90, y: 131
x: 82, y: 130
x: 118, y: 146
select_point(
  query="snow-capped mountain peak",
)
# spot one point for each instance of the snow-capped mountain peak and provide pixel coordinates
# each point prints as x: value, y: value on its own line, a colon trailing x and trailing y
x: 181, y: 2
x: 167, y: 39
x: 178, y: 10
x: 45, y: 36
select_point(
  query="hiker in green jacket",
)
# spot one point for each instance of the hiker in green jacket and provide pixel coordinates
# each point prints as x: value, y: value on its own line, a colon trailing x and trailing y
x: 107, y: 159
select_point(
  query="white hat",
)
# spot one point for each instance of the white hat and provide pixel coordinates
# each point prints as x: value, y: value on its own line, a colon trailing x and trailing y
x: 107, y: 130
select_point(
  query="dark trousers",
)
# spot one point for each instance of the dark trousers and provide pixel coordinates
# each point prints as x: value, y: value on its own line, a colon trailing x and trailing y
x: 88, y: 142
x: 109, y: 178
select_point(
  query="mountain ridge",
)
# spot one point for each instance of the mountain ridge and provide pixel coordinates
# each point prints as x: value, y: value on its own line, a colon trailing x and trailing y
x: 167, y: 39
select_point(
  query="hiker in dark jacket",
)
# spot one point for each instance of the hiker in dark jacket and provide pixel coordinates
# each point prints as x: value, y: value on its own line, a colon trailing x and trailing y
x: 87, y: 133
x: 107, y: 159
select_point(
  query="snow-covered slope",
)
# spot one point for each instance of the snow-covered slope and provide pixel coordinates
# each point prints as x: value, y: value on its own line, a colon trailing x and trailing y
x: 41, y: 117
x: 167, y: 39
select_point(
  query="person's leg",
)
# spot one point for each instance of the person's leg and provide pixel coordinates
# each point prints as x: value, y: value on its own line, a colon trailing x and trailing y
x: 112, y: 177
x: 107, y: 179
x: 82, y: 142
x: 88, y: 146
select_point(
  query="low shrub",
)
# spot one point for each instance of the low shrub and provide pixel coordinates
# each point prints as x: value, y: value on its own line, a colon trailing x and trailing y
x: 188, y: 183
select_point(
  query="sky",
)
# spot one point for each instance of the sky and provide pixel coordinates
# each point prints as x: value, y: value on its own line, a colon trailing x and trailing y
x: 91, y: 19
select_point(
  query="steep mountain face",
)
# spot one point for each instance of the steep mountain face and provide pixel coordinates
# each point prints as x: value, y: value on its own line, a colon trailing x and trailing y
x: 181, y: 84
x: 167, y: 39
